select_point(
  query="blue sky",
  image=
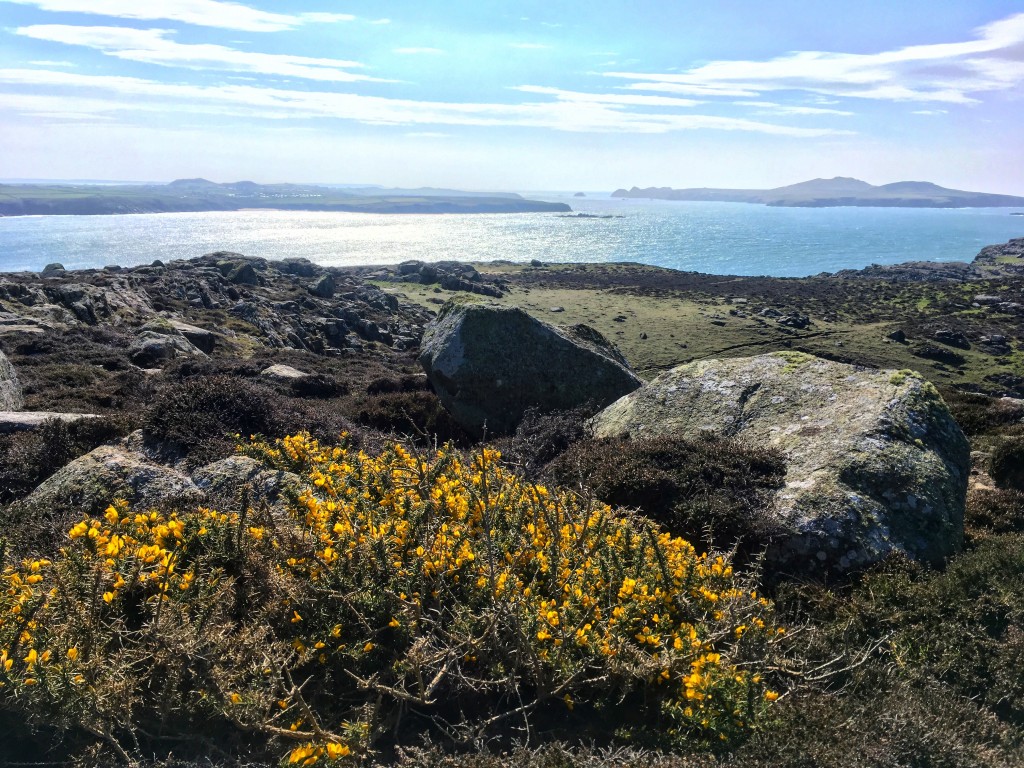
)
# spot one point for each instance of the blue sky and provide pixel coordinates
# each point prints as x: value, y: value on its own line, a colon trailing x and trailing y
x: 527, y: 95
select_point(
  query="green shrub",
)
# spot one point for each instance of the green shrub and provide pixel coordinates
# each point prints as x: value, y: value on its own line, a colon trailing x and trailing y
x: 399, y: 595
x: 706, y: 490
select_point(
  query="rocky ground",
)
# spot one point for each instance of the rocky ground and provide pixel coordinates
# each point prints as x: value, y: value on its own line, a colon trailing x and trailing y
x: 137, y: 382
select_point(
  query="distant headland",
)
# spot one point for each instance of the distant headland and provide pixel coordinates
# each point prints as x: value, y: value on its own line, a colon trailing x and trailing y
x: 837, y: 192
x: 197, y: 195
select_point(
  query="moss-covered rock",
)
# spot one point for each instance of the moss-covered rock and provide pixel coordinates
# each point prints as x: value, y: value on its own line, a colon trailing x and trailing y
x: 875, y: 462
x: 490, y: 364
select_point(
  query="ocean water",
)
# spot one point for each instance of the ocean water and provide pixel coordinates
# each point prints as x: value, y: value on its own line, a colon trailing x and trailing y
x: 720, y: 238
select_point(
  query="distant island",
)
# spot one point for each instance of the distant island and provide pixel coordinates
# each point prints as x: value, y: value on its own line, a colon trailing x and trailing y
x: 196, y: 195
x: 840, y: 191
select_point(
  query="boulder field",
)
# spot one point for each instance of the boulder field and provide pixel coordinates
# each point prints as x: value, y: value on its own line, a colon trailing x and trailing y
x: 875, y: 462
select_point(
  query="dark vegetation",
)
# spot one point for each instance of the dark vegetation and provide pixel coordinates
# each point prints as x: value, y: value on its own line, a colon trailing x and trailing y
x: 711, y: 492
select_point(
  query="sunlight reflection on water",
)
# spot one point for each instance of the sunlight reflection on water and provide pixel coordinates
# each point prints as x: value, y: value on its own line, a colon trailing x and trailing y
x: 724, y: 238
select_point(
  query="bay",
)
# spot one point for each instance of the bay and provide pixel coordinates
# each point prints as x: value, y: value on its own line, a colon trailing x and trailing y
x: 719, y: 238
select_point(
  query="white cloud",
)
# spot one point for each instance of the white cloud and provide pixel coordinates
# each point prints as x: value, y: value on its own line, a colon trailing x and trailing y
x: 930, y: 112
x: 129, y: 95
x: 205, y: 13
x: 771, y: 108
x: 415, y: 51
x: 953, y: 73
x: 154, y: 46
x: 53, y: 64
x: 613, y: 99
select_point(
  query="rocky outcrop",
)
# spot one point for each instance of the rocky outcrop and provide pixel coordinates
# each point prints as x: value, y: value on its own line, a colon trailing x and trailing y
x: 875, y: 462
x: 10, y: 389
x: 490, y: 364
x: 152, y: 348
x: 91, y: 482
x: 288, y: 304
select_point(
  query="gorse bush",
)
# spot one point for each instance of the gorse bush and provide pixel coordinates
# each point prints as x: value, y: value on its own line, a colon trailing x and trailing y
x: 398, y: 594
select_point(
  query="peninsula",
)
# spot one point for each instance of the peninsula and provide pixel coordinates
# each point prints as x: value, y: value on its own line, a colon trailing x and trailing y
x: 194, y: 195
x: 836, y: 192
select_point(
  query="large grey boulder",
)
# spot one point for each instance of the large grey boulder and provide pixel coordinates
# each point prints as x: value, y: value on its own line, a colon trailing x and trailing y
x: 875, y: 462
x: 10, y: 389
x: 490, y: 364
x: 91, y: 482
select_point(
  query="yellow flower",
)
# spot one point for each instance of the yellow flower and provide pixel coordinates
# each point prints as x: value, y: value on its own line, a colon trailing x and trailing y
x: 337, y: 751
x: 771, y: 695
x: 235, y: 698
x: 368, y: 647
x: 72, y: 653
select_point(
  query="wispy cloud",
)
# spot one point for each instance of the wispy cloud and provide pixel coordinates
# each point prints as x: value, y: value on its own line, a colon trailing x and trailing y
x: 154, y: 46
x: 930, y: 112
x: 612, y: 99
x: 129, y: 95
x: 771, y: 108
x: 46, y: 63
x: 415, y: 51
x: 205, y: 13
x: 954, y: 73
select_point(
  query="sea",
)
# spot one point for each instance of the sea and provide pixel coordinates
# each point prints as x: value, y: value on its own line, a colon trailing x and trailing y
x: 717, y: 238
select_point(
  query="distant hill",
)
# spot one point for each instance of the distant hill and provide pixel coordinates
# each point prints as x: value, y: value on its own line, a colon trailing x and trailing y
x: 194, y: 195
x: 839, y: 191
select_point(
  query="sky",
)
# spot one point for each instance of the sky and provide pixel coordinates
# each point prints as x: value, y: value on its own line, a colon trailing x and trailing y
x: 531, y: 95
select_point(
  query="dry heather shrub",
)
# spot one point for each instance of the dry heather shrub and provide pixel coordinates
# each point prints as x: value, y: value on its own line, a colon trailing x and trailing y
x: 708, y: 490
x: 398, y: 594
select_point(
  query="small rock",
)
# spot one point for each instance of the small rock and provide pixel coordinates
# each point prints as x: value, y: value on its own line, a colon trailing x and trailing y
x: 53, y: 269
x: 283, y: 373
x: 324, y: 287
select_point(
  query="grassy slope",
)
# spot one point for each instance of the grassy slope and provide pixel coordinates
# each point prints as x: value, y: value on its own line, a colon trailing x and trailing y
x: 687, y: 317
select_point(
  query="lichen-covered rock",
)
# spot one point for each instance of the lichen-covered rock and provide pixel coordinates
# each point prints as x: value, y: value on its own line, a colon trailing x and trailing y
x: 875, y: 462
x: 151, y: 348
x: 91, y: 482
x: 490, y: 364
x: 10, y: 389
x: 238, y: 474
